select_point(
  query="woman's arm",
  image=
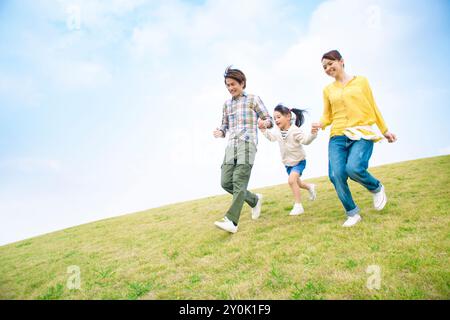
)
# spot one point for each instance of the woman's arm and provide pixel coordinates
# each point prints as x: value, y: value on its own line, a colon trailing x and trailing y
x: 379, y: 118
x: 326, y: 119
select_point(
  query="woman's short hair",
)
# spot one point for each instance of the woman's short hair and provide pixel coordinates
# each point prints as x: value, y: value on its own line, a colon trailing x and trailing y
x: 332, y: 55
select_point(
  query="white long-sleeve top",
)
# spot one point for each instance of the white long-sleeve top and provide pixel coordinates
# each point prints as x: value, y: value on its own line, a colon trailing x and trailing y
x: 291, y: 148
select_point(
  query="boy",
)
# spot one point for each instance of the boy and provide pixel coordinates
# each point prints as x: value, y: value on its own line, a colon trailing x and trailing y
x: 240, y: 119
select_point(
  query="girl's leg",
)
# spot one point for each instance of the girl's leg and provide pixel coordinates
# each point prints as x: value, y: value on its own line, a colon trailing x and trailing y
x: 293, y: 183
x: 308, y: 186
x: 302, y: 184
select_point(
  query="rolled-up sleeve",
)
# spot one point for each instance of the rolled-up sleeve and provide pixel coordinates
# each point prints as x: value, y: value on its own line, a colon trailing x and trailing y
x: 262, y: 112
x: 225, y: 124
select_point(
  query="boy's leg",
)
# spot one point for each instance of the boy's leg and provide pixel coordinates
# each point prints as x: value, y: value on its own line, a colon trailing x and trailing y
x: 228, y: 186
x: 241, y: 177
x: 358, y: 162
x: 246, y: 153
x: 227, y: 168
x: 226, y: 178
x: 337, y: 160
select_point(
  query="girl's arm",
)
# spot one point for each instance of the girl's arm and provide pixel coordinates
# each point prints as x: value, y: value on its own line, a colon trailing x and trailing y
x: 267, y: 133
x: 304, y: 138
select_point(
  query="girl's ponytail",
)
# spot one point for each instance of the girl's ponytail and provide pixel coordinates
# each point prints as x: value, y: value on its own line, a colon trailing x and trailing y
x: 299, y: 116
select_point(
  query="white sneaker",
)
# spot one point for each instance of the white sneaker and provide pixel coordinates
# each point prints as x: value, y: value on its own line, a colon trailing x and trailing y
x: 297, y: 209
x: 256, y: 211
x: 312, y: 192
x: 379, y: 199
x: 351, y: 221
x: 227, y: 225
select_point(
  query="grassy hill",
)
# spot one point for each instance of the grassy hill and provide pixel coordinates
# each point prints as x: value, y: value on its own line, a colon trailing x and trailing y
x: 176, y: 252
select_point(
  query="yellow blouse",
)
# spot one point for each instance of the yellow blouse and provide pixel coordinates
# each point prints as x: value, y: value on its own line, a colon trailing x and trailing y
x: 349, y: 106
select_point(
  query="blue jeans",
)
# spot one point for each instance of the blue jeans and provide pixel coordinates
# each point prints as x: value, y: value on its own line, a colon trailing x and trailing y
x: 350, y: 159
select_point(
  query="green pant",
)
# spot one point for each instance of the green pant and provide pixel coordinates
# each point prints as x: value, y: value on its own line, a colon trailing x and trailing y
x: 236, y: 169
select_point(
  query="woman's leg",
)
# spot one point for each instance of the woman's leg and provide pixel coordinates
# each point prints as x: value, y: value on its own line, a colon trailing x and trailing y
x: 337, y: 162
x: 358, y: 162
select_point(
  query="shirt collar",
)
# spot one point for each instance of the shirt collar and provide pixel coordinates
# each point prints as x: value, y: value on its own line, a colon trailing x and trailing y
x: 244, y: 94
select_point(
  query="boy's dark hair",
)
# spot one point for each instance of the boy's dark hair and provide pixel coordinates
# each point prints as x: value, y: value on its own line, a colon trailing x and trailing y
x: 235, y: 74
x: 332, y: 55
x: 299, y: 114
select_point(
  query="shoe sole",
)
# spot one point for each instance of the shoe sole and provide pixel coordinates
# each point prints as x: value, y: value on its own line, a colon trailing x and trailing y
x: 220, y: 227
x: 383, y: 204
x: 353, y: 224
x: 313, y: 196
x: 255, y: 217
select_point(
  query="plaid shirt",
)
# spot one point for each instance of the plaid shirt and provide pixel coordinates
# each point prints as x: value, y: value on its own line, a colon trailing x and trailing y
x: 240, y: 118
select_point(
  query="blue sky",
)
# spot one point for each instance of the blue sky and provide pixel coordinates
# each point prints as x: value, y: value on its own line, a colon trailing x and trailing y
x: 107, y: 107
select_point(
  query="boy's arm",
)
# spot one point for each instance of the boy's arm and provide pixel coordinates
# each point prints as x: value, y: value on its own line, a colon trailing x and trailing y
x: 261, y: 110
x: 225, y: 124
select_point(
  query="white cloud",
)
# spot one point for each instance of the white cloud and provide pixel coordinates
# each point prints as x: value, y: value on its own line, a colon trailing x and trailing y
x: 444, y: 151
x: 32, y: 165
x: 95, y: 14
x: 18, y: 90
x: 149, y: 42
x: 79, y: 75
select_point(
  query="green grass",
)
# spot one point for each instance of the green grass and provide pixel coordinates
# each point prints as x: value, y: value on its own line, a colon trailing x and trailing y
x: 175, y: 252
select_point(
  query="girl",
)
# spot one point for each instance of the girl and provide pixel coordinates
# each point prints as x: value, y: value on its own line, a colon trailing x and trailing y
x: 290, y: 138
x: 350, y: 108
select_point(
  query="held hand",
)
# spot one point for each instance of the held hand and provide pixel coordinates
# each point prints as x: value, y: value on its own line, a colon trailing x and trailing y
x: 390, y: 137
x: 316, y: 126
x: 262, y: 124
x: 218, y: 133
x: 314, y: 130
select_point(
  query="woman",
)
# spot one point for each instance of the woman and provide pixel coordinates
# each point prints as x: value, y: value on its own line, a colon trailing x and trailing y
x: 351, y: 110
